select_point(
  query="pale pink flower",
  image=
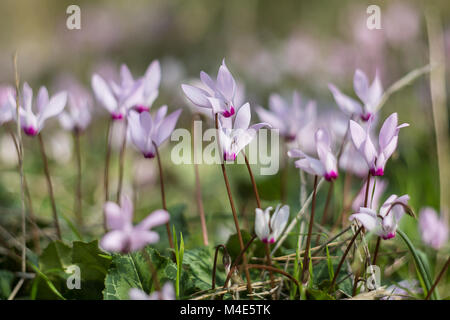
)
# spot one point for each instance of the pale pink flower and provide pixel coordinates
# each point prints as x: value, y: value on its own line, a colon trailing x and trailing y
x: 433, y: 229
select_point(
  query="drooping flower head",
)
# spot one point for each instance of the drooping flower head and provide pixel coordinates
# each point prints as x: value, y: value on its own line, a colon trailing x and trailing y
x: 434, y: 230
x: 167, y: 292
x: 290, y: 120
x: 138, y: 94
x: 147, y: 131
x: 46, y: 107
x: 234, y: 136
x: 123, y: 236
x: 77, y: 115
x: 385, y: 222
x: 219, y: 94
x: 325, y: 166
x: 369, y: 94
x: 268, y: 228
x: 376, y: 158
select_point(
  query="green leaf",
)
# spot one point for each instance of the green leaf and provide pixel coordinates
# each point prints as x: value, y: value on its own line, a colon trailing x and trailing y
x: 200, y: 262
x: 233, y: 245
x: 132, y: 271
x: 53, y: 269
x: 422, y: 271
x: 314, y: 294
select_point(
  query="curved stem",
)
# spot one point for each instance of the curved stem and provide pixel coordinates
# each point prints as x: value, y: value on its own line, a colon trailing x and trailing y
x: 50, y: 186
x: 237, y: 260
x: 213, y: 279
x: 308, y: 239
x: 122, y: 161
x: 163, y: 194
x: 439, y: 277
x: 233, y: 209
x: 78, y: 200
x: 270, y: 268
x: 366, y: 197
x: 344, y: 256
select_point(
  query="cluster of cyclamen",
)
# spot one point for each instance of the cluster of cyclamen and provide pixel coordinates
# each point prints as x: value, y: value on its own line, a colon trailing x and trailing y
x: 234, y: 135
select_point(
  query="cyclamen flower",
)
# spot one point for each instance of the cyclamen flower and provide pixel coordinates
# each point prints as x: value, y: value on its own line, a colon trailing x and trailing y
x: 290, y: 120
x: 385, y: 222
x: 220, y: 94
x: 124, y: 237
x: 78, y: 115
x: 370, y: 95
x: 387, y: 143
x: 138, y: 94
x: 434, y: 230
x: 32, y: 123
x: 267, y: 228
x: 7, y: 104
x: 146, y: 132
x: 234, y: 137
x: 325, y: 166
x: 167, y: 293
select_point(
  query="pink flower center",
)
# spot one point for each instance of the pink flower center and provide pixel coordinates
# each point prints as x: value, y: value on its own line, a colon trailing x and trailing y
x: 30, y: 131
x: 148, y: 155
x: 366, y: 116
x: 272, y: 240
x: 377, y: 172
x: 228, y: 113
x: 332, y: 175
x: 290, y: 137
x: 388, y: 236
x: 116, y: 116
x: 229, y: 156
x: 141, y: 108
x: 264, y: 240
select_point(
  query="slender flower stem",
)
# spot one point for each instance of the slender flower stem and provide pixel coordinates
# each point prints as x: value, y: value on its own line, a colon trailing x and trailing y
x: 325, y: 210
x: 269, y: 263
x: 252, y: 178
x: 198, y: 190
x: 122, y: 161
x: 258, y: 203
x: 366, y: 197
x: 233, y: 209
x: 78, y: 207
x: 34, y: 230
x: 308, y: 239
x: 107, y: 160
x: 344, y: 256
x: 225, y: 252
x: 50, y: 186
x: 20, y: 158
x: 163, y: 194
x: 439, y: 277
x: 375, y: 254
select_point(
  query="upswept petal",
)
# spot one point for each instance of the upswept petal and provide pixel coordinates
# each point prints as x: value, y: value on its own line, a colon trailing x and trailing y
x: 196, y: 95
x: 156, y: 218
x: 103, y: 93
x: 347, y: 104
